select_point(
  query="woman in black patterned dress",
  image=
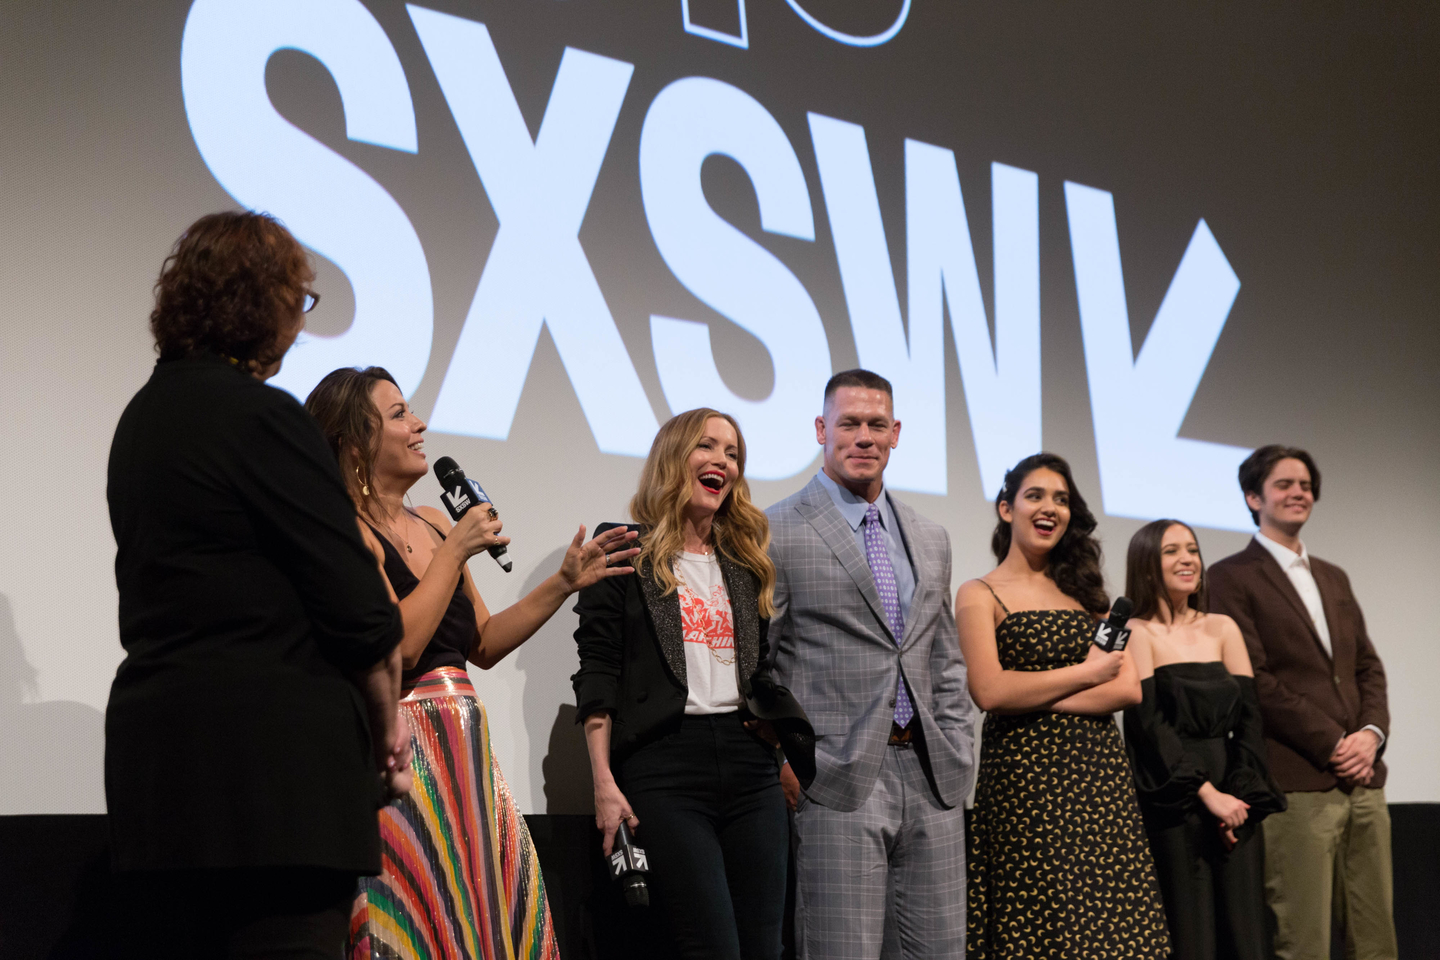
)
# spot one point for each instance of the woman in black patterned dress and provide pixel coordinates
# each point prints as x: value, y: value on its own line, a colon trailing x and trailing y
x: 1059, y: 864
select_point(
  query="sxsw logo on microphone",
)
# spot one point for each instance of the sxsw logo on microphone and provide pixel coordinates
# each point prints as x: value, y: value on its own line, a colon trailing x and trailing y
x: 620, y: 863
x: 1109, y: 639
x: 458, y: 501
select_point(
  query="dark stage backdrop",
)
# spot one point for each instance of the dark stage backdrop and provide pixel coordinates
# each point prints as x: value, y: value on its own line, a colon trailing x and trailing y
x: 1149, y: 238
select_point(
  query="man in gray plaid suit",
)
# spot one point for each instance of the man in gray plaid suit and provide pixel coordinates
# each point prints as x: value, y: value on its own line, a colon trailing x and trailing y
x: 864, y: 637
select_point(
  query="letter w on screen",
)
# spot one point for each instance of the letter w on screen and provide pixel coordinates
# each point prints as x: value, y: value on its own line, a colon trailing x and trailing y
x: 1002, y: 388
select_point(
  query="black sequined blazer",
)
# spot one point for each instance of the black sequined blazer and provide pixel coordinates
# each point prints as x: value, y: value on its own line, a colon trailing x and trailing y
x: 632, y: 662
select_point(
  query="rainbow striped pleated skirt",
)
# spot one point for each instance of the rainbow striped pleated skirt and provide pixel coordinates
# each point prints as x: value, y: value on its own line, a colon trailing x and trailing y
x: 460, y: 877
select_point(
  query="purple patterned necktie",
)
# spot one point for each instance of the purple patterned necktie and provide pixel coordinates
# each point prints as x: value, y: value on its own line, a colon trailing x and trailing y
x: 879, y: 559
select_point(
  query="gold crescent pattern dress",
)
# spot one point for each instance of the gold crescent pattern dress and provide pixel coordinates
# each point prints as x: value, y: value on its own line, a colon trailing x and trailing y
x: 1059, y: 865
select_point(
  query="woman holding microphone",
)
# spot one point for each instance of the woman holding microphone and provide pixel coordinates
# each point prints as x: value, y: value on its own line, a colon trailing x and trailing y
x: 460, y: 874
x: 1059, y: 866
x: 668, y: 687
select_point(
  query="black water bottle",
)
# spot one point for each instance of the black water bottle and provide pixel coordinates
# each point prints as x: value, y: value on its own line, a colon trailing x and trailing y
x: 629, y: 868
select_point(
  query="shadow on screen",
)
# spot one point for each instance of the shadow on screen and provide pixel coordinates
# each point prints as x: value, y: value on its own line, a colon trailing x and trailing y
x: 565, y: 768
x: 52, y: 754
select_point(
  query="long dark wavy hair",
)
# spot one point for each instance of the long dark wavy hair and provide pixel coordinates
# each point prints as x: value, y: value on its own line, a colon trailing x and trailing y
x: 1145, y: 581
x: 1074, y: 562
x: 342, y: 405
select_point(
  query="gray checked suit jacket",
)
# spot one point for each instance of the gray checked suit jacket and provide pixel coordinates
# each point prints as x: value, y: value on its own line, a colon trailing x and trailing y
x: 831, y: 645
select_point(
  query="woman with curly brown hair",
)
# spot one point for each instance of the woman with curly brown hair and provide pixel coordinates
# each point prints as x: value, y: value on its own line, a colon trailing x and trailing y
x: 1059, y: 865
x: 669, y: 687
x: 240, y: 775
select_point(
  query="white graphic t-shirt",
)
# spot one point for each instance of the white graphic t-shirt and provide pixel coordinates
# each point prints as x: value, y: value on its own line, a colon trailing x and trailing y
x: 709, y: 636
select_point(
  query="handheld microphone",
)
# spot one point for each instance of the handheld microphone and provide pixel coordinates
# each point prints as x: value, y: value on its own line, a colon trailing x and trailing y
x: 1112, y: 634
x: 460, y: 494
x: 629, y: 867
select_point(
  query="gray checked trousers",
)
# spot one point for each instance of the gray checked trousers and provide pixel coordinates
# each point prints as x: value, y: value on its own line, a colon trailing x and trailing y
x: 902, y: 850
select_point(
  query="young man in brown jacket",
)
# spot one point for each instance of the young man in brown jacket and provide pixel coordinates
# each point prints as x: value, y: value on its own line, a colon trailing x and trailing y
x: 1323, y: 701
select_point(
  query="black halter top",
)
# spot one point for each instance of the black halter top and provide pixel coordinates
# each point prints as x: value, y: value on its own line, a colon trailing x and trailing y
x: 454, y: 636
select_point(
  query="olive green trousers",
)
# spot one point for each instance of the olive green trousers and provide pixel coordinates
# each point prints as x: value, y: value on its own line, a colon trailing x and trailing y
x: 1327, y: 858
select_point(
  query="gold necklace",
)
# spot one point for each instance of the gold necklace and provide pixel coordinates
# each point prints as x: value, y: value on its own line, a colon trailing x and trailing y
x: 394, y: 536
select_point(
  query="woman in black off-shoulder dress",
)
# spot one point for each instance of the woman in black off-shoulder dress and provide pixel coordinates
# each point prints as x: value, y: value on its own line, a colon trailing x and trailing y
x: 1058, y: 863
x: 1199, y: 753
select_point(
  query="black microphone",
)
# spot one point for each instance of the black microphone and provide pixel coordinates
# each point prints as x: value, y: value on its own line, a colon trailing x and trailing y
x: 629, y: 867
x: 459, y: 493
x: 1112, y: 634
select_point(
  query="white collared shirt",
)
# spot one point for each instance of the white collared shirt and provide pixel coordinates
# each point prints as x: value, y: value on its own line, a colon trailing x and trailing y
x: 1297, y: 568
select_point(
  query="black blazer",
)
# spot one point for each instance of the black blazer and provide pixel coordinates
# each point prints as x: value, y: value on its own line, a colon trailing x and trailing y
x: 233, y: 736
x: 632, y: 663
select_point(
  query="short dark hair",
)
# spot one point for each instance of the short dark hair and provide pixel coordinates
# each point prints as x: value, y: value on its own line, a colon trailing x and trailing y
x: 1256, y: 469
x: 1145, y: 580
x: 863, y: 379
x: 232, y: 284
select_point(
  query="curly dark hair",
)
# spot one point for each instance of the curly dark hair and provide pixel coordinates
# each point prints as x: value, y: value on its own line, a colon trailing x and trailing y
x: 232, y: 284
x: 1074, y: 561
x: 342, y: 405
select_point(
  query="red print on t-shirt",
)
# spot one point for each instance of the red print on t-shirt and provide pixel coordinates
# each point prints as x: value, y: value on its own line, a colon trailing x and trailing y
x: 707, y: 621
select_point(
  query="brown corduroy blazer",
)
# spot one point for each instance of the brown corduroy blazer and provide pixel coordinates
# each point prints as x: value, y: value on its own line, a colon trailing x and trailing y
x: 1308, y: 699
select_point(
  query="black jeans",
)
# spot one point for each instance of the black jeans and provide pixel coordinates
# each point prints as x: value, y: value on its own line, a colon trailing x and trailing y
x: 714, y: 827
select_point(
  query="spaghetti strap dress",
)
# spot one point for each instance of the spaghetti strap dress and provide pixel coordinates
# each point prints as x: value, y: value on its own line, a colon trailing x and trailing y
x: 1059, y: 866
x: 460, y: 878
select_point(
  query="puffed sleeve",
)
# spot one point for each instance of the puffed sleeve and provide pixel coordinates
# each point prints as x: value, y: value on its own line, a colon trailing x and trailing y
x: 1248, y: 774
x: 601, y: 641
x: 1167, y: 777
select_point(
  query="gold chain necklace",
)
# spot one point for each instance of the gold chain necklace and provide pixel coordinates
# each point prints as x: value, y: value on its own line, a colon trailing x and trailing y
x: 394, y: 536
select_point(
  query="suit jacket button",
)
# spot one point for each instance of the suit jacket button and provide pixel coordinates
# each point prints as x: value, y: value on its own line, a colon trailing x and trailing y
x: 1337, y: 680
x: 642, y: 696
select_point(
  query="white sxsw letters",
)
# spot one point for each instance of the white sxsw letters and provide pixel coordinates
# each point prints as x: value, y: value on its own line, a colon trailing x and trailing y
x: 537, y: 272
x: 1002, y: 388
x: 690, y: 120
x: 266, y: 163
x: 1146, y: 471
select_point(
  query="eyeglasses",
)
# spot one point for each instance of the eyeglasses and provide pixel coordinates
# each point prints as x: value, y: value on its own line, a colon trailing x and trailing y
x: 310, y: 300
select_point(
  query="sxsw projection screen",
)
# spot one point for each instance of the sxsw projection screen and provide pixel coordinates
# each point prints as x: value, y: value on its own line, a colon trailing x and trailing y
x: 1148, y: 238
